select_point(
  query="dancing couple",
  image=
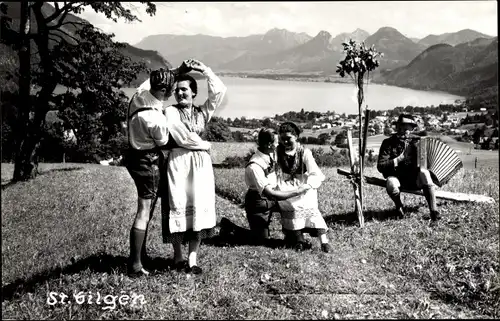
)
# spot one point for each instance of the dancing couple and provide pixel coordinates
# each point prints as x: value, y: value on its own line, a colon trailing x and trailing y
x: 168, y: 159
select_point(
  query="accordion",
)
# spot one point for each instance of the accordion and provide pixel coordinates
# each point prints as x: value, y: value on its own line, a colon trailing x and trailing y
x: 437, y: 157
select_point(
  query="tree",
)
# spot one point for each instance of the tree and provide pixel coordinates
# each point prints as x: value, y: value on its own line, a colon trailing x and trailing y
x: 340, y: 139
x: 358, y: 63
x: 268, y: 123
x: 48, y: 31
x: 238, y: 136
x: 217, y: 132
x: 93, y: 106
x: 388, y: 131
x: 324, y: 138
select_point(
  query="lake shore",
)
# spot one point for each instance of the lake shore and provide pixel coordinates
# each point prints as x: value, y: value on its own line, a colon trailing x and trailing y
x: 335, y: 79
x: 290, y: 77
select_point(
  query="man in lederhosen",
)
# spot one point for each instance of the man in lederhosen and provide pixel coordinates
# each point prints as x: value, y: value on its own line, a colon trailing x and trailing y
x: 147, y: 134
x: 397, y: 163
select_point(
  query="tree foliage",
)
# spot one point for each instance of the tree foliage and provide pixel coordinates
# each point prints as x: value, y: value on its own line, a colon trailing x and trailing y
x: 217, y: 131
x: 93, y: 106
x: 69, y: 52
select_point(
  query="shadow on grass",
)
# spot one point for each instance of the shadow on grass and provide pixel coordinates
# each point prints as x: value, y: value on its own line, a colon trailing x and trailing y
x: 233, y: 235
x: 239, y: 236
x: 351, y: 218
x: 97, y: 263
x: 66, y: 169
x: 234, y: 241
x: 8, y: 183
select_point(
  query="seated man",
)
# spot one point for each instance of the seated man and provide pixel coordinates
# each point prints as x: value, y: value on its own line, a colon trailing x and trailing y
x: 398, y: 164
x: 261, y: 198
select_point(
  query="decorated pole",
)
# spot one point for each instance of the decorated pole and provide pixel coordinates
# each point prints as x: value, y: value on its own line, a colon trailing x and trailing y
x: 358, y: 62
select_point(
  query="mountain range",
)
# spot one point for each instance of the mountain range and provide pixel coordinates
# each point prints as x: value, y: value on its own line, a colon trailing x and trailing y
x: 463, y: 69
x: 280, y: 50
x: 453, y: 39
x: 464, y: 62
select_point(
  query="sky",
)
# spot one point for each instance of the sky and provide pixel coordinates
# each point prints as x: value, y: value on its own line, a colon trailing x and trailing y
x: 414, y: 19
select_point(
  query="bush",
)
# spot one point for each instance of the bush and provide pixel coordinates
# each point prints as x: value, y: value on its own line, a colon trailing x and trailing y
x: 237, y: 161
x: 340, y: 157
x: 115, y: 147
x: 334, y: 158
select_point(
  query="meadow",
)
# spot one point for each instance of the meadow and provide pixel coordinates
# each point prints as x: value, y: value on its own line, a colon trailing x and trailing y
x: 67, y: 232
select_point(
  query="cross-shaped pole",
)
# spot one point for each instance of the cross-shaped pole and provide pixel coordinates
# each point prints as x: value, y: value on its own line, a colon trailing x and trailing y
x: 355, y: 180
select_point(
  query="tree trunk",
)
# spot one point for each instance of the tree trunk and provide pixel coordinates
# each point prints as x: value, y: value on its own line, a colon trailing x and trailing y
x: 24, y: 166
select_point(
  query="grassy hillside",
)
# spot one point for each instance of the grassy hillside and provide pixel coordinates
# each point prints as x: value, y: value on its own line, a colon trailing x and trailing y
x: 67, y: 231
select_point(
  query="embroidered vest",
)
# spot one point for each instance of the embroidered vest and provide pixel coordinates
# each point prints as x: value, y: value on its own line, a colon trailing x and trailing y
x: 291, y: 164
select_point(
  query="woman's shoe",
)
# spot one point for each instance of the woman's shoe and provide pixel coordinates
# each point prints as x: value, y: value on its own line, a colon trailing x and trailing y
x: 195, y: 269
x: 139, y: 273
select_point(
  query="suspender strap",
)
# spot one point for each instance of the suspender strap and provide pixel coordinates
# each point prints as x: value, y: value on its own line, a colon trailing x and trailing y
x: 139, y: 110
x: 129, y: 116
x: 266, y: 170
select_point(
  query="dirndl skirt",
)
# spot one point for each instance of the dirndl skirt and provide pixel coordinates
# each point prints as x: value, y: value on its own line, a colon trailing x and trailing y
x: 188, y: 196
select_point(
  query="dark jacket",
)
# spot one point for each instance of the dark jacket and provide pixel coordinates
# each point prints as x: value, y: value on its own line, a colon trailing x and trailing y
x: 391, y: 148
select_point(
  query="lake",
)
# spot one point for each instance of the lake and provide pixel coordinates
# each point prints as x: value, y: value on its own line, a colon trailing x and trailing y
x: 260, y: 98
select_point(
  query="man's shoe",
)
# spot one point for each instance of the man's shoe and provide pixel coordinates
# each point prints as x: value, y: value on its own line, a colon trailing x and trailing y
x: 181, y: 265
x: 225, y: 227
x: 139, y: 273
x: 325, y: 247
x: 400, y: 213
x: 146, y: 260
x: 435, y: 215
x: 303, y: 246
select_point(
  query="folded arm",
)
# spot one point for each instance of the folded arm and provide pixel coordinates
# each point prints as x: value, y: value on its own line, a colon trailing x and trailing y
x: 258, y: 179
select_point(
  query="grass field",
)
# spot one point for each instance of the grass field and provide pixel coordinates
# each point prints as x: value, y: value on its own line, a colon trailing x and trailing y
x: 467, y: 153
x: 67, y: 231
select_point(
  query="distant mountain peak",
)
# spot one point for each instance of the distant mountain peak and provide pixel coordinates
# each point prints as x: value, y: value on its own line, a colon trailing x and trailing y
x: 387, y: 29
x: 323, y: 34
x: 359, y: 30
x: 277, y: 31
x: 453, y: 38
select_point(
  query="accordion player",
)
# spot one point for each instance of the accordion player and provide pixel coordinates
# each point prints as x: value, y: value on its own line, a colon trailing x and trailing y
x: 404, y: 160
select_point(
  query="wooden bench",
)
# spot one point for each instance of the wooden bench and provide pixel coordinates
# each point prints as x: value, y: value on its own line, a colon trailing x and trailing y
x: 452, y: 196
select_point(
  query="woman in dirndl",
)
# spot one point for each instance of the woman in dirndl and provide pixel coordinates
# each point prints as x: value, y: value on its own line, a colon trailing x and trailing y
x: 297, y: 167
x: 188, y: 188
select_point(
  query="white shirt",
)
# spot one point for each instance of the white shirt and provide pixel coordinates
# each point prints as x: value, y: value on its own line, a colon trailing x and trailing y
x: 255, y: 176
x: 148, y: 128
